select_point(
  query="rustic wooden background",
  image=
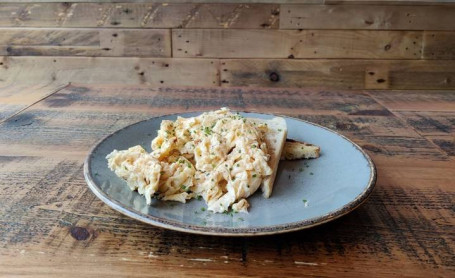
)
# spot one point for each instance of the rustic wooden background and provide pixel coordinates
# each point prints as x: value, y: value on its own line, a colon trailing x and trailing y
x: 343, y: 44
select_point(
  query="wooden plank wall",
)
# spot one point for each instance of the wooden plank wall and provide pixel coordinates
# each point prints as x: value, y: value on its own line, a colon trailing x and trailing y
x: 332, y: 44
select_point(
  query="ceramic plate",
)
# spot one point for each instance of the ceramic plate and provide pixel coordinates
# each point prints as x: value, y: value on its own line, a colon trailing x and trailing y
x: 306, y: 192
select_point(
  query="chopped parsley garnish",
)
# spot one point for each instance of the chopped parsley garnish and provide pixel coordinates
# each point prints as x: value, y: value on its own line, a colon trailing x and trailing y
x: 305, y: 201
x: 237, y: 165
x: 280, y: 129
x: 207, y: 130
x: 241, y: 219
x: 202, y: 209
x: 253, y: 146
x: 254, y: 175
x: 199, y: 197
x: 189, y: 164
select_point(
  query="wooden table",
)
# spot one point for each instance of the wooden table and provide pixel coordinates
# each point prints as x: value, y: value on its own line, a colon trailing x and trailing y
x: 53, y: 226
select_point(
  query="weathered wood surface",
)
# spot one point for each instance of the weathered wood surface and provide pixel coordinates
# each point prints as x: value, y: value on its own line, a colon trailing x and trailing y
x: 118, y: 70
x: 284, y: 73
x: 343, y: 74
x: 339, y: 2
x: 15, y: 98
x: 85, y: 42
x: 221, y: 43
x: 53, y: 226
x: 439, y: 45
x: 377, y: 17
x: 139, y: 15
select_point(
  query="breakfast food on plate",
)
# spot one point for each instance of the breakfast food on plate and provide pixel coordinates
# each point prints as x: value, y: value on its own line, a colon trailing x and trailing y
x: 220, y: 156
x: 299, y: 150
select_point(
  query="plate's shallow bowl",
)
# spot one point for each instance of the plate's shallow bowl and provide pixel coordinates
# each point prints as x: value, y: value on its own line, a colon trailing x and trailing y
x: 306, y: 192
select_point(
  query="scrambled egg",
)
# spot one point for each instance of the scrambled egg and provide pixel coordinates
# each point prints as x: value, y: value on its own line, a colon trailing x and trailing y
x: 218, y: 155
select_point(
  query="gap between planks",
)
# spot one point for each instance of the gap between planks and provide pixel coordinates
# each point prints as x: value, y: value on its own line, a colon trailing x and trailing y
x: 41, y: 99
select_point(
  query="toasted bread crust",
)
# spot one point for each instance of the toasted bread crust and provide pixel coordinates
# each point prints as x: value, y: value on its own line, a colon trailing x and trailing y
x: 294, y: 150
x: 275, y: 139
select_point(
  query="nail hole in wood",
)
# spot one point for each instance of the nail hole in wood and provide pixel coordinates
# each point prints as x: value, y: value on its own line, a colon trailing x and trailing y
x: 274, y: 77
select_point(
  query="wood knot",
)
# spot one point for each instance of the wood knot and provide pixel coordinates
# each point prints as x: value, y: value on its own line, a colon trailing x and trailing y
x: 291, y: 56
x: 274, y: 77
x: 276, y: 12
x: 380, y: 80
x: 387, y: 47
x: 79, y: 233
x: 369, y: 22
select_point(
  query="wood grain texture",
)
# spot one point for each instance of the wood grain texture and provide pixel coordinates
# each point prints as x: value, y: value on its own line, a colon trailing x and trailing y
x: 155, y: 71
x: 15, y: 98
x: 212, y: 43
x: 378, y: 17
x: 439, y: 45
x: 85, y: 42
x: 331, y: 2
x: 348, y: 74
x: 52, y: 225
x: 139, y: 15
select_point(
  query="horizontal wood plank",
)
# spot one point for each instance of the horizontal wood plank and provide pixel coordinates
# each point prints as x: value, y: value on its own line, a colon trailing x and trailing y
x: 331, y: 2
x: 153, y: 71
x: 351, y: 74
x: 139, y: 15
x: 85, y: 42
x: 440, y: 101
x: 296, y: 44
x: 439, y: 45
x: 18, y: 97
x: 367, y: 17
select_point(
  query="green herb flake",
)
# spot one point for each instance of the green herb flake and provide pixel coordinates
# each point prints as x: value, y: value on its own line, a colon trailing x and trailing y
x: 280, y: 129
x: 305, y: 201
x: 207, y: 130
x: 300, y: 169
x: 241, y: 219
x: 254, y: 175
x: 311, y: 173
x: 199, y: 197
x: 202, y: 209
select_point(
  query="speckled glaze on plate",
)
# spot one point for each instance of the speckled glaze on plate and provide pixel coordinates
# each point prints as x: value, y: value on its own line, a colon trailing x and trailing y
x: 306, y: 192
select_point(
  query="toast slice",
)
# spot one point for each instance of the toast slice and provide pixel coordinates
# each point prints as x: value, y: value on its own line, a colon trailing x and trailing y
x: 294, y: 150
x: 275, y: 138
